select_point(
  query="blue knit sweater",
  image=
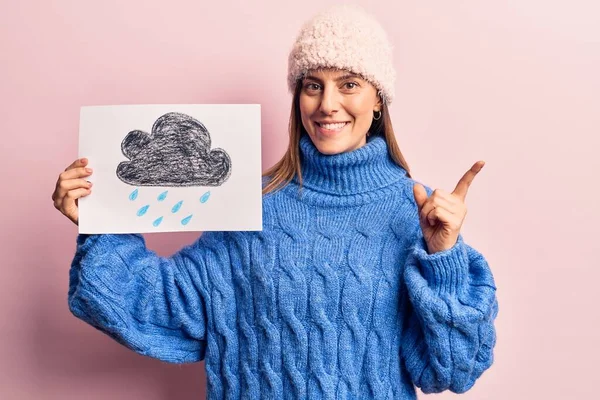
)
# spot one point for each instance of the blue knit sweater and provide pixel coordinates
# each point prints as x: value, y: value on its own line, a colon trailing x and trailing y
x: 336, y: 297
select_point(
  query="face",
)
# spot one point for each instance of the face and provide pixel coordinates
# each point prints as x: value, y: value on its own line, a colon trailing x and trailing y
x: 336, y: 109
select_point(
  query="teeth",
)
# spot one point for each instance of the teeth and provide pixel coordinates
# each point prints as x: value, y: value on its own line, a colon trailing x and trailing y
x: 333, y: 126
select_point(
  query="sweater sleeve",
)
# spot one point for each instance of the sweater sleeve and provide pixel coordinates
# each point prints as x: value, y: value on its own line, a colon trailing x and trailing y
x: 449, y: 332
x: 153, y: 305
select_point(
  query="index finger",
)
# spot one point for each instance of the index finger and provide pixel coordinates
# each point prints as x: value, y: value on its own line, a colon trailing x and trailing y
x: 80, y: 162
x: 463, y: 185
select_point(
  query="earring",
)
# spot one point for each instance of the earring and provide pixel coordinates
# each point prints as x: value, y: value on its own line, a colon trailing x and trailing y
x: 378, y: 116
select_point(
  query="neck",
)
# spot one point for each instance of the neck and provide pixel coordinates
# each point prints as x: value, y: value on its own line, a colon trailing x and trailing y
x: 363, y: 170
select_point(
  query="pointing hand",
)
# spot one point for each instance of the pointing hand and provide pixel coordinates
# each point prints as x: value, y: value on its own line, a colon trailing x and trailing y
x: 441, y: 215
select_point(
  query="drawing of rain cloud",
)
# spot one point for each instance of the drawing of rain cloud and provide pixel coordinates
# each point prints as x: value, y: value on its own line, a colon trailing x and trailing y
x: 176, y: 153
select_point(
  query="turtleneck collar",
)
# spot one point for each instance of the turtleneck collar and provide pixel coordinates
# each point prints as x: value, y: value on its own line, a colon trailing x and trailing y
x: 359, y: 171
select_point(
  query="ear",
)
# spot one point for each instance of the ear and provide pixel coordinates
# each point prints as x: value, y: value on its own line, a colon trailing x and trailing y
x: 379, y: 103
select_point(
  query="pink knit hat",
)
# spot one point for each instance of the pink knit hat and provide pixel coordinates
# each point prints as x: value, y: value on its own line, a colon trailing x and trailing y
x: 344, y: 37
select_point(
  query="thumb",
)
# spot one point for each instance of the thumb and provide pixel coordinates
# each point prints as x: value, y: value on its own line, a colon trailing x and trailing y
x: 420, y: 195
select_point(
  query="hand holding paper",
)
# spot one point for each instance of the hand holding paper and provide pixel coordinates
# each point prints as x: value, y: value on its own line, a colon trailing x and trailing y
x: 70, y: 186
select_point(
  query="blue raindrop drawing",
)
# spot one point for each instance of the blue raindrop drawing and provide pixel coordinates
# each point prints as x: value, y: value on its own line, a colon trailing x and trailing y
x: 205, y: 197
x: 162, y: 196
x: 157, y: 221
x: 176, y: 207
x: 186, y: 219
x: 133, y: 195
x: 143, y: 210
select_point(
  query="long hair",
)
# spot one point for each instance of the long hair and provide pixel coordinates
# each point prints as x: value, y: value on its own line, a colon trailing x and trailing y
x: 289, y: 166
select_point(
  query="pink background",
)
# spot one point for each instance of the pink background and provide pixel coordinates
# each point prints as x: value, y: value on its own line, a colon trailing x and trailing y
x: 514, y: 83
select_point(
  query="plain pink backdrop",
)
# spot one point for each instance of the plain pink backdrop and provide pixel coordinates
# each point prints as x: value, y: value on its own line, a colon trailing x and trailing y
x: 515, y: 83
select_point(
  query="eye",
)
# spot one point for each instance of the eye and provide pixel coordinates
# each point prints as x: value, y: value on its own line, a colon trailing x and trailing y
x: 311, y: 86
x: 354, y: 85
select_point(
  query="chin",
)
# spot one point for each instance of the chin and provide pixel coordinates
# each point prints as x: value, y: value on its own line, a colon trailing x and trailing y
x: 331, y: 147
x: 334, y: 145
x: 329, y: 150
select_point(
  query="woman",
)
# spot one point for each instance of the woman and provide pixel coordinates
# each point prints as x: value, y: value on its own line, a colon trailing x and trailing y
x: 359, y: 285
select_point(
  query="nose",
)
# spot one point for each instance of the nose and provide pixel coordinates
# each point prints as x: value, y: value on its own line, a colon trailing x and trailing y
x: 330, y: 103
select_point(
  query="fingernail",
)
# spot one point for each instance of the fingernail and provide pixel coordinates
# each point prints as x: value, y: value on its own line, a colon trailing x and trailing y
x: 88, y: 170
x: 83, y: 160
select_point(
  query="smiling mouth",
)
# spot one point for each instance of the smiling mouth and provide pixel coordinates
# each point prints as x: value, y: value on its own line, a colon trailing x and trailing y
x: 332, y: 126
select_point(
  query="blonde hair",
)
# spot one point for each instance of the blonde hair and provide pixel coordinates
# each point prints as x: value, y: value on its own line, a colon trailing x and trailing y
x: 288, y: 167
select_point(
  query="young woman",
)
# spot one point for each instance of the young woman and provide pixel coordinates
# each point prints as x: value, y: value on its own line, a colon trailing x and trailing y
x: 359, y: 286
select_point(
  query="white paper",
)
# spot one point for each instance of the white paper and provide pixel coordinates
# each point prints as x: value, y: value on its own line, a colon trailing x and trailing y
x: 210, y: 201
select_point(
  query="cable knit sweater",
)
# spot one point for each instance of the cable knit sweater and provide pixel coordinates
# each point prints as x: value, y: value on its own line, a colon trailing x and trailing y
x: 337, y: 296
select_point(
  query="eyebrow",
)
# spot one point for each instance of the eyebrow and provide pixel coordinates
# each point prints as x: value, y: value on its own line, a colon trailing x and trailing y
x: 340, y: 78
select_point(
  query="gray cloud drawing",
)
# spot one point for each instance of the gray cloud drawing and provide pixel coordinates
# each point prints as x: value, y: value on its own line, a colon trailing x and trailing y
x: 176, y: 153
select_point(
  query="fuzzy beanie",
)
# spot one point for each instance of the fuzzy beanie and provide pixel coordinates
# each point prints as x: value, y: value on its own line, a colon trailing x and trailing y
x: 344, y: 37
